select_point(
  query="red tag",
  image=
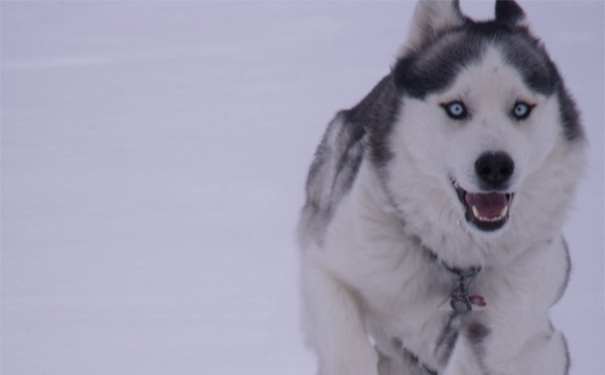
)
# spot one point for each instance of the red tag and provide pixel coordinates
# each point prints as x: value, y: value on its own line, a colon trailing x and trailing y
x: 477, y: 300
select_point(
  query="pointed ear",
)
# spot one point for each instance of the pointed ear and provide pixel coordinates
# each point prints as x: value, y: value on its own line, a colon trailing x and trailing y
x: 432, y: 18
x: 510, y: 13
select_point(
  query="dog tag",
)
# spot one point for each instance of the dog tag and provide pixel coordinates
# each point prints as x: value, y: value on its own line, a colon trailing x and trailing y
x: 459, y: 303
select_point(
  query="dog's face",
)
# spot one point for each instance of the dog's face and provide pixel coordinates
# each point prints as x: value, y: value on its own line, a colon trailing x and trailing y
x: 483, y: 113
x: 481, y: 137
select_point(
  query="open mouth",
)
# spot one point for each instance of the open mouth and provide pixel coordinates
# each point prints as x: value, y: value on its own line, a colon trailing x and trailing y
x: 486, y: 211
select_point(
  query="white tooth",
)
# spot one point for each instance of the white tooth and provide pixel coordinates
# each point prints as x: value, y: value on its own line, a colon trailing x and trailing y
x: 477, y: 215
x: 504, y: 212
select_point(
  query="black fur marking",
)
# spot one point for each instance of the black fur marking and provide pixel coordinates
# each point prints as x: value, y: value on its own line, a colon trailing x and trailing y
x: 444, y: 346
x: 528, y: 56
x: 507, y: 11
x: 341, y: 151
x: 477, y: 333
x: 410, y: 360
x: 413, y: 360
x: 569, y: 115
x: 331, y: 175
x: 434, y: 68
x: 378, y: 112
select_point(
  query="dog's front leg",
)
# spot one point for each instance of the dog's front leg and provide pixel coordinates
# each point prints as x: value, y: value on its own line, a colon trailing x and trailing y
x: 464, y: 359
x: 334, y: 326
x: 542, y: 353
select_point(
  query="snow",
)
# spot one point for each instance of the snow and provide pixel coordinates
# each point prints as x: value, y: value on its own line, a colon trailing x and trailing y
x: 153, y: 158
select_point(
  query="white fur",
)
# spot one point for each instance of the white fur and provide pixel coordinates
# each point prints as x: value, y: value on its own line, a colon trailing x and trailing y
x: 369, y: 281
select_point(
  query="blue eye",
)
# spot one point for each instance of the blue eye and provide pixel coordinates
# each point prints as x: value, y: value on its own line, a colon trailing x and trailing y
x: 455, y: 110
x: 522, y: 110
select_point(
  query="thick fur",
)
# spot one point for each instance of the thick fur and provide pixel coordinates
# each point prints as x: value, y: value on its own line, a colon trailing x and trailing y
x: 383, y: 227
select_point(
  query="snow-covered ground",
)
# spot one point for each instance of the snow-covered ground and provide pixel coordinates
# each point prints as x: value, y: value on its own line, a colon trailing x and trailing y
x: 153, y: 156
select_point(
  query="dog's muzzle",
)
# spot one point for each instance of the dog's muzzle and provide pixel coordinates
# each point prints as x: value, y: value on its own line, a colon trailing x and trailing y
x: 489, y: 210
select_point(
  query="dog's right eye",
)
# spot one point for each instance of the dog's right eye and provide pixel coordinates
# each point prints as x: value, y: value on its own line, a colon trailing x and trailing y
x: 455, y: 110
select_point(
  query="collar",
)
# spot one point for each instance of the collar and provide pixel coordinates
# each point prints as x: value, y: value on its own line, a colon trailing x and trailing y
x: 460, y: 299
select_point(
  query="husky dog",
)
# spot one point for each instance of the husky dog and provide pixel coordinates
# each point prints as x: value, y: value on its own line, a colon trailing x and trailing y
x: 431, y: 234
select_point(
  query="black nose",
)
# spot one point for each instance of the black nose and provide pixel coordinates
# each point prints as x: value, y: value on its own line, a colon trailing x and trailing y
x: 494, y: 170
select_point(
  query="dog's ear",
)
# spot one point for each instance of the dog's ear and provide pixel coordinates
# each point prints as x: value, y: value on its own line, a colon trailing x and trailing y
x: 510, y: 13
x: 432, y: 18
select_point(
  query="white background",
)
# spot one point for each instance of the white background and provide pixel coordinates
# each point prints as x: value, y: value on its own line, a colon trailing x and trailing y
x: 153, y: 160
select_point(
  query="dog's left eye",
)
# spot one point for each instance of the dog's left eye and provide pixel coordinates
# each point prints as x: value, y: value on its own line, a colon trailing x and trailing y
x: 521, y: 110
x: 455, y: 110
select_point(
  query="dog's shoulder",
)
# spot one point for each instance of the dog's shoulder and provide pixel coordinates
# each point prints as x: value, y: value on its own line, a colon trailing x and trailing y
x: 340, y: 153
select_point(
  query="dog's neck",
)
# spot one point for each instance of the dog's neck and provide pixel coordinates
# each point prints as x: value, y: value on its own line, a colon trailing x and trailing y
x: 460, y: 299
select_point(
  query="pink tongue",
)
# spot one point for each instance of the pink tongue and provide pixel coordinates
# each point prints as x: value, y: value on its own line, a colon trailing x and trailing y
x: 489, y: 205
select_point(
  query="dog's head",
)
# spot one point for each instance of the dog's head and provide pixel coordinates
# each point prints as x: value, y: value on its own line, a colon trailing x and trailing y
x: 486, y: 133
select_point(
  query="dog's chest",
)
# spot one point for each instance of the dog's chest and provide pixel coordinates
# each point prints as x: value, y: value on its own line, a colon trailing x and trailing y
x: 408, y: 303
x: 404, y: 292
x: 408, y: 312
